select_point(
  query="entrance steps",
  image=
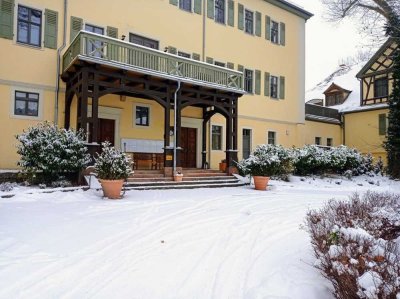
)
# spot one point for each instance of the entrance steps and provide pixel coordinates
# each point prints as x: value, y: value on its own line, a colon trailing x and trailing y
x: 192, y: 179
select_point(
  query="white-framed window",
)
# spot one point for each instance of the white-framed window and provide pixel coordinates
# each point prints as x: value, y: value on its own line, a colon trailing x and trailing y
x: 329, y: 141
x: 184, y: 54
x: 29, y: 26
x: 185, y: 5
x: 142, y: 115
x: 274, y: 86
x: 248, y: 21
x: 220, y: 11
x: 248, y: 80
x: 246, y: 142
x: 317, y: 140
x: 26, y: 103
x: 271, y: 138
x: 216, y: 138
x: 219, y: 63
x: 274, y: 32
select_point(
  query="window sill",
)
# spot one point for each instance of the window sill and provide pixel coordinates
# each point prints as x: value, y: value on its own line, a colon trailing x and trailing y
x: 26, y: 117
x: 29, y: 46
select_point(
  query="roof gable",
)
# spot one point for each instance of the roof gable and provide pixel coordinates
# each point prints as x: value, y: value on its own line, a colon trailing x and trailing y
x: 381, y: 61
x: 334, y: 87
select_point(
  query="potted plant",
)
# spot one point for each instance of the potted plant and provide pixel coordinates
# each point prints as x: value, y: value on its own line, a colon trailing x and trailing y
x: 112, y: 168
x: 222, y: 165
x: 266, y: 161
x: 178, y: 176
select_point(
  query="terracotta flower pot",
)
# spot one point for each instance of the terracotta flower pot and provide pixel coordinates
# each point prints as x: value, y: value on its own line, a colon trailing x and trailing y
x: 261, y: 182
x: 112, y: 188
x: 222, y: 166
x: 178, y: 178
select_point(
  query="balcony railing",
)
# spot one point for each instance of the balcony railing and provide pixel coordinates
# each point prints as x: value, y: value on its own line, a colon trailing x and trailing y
x: 105, y: 50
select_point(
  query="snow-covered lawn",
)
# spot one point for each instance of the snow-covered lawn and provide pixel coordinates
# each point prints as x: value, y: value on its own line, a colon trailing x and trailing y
x: 205, y: 243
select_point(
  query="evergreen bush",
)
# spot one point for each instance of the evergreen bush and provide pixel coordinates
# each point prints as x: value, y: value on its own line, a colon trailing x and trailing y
x: 112, y: 164
x: 48, y: 153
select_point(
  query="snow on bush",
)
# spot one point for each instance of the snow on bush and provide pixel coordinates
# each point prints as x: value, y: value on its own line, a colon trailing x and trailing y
x: 312, y: 159
x: 357, y: 245
x: 7, y: 187
x: 267, y: 160
x: 112, y: 164
x: 49, y: 152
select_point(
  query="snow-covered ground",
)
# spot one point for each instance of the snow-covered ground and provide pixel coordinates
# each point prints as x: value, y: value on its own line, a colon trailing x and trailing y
x: 205, y: 243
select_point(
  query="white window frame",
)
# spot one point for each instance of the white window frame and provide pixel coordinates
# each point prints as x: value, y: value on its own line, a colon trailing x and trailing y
x: 244, y: 20
x: 219, y: 61
x: 225, y: 13
x: 15, y: 26
x: 134, y: 115
x: 183, y: 52
x: 222, y: 137
x: 191, y: 6
x: 279, y: 32
x: 253, y: 80
x: 276, y: 136
x: 251, y: 138
x: 40, y: 92
x: 277, y: 87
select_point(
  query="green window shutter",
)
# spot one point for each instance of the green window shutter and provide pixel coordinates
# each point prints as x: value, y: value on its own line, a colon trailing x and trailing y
x: 209, y: 60
x: 282, y: 87
x: 258, y: 23
x: 240, y: 68
x: 7, y: 19
x: 173, y: 2
x: 210, y: 9
x: 76, y: 26
x: 50, y: 29
x: 267, y: 77
x: 231, y: 13
x: 240, y: 16
x: 172, y: 50
x: 196, y: 56
x: 197, y: 6
x: 230, y: 65
x: 267, y: 28
x: 283, y: 34
x: 112, y: 32
x: 382, y: 124
x: 257, y: 89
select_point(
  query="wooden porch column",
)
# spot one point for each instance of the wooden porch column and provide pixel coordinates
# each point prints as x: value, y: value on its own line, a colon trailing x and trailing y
x: 83, y: 102
x: 67, y: 106
x: 178, y: 130
x: 204, y: 141
x: 232, y: 135
x: 168, y: 152
x: 95, y: 111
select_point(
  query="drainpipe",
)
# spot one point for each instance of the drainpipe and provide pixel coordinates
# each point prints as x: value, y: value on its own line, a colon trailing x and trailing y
x: 175, y: 121
x: 58, y: 64
x: 203, y: 50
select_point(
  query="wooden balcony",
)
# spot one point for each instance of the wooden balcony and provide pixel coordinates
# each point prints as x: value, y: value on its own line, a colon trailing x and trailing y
x: 111, y: 52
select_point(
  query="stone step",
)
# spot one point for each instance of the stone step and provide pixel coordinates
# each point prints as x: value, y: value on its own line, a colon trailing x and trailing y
x: 203, y: 174
x: 157, y: 179
x: 184, y: 185
x: 170, y: 183
x: 214, y: 177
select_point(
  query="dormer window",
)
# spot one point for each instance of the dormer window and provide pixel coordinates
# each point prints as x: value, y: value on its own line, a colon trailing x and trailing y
x: 334, y: 99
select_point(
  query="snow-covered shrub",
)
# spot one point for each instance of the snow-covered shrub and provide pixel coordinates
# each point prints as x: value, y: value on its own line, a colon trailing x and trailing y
x: 112, y: 164
x: 343, y: 158
x: 47, y: 152
x: 267, y: 160
x: 378, y: 167
x: 356, y: 244
x: 7, y: 187
x: 310, y: 159
x: 366, y: 166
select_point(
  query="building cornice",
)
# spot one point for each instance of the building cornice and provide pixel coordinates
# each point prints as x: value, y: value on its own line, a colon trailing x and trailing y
x: 292, y: 8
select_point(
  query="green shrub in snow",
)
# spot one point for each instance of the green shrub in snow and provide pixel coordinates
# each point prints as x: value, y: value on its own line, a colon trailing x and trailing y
x: 48, y: 153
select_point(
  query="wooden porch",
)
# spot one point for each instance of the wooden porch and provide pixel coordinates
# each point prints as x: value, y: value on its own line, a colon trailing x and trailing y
x: 95, y: 66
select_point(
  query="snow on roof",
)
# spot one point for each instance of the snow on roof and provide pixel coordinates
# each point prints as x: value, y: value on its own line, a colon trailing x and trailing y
x: 345, y: 77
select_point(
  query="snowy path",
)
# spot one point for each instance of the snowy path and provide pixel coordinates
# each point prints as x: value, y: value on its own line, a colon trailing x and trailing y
x: 206, y: 243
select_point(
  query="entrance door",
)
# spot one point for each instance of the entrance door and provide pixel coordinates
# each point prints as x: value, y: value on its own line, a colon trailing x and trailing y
x: 246, y: 143
x: 188, y: 144
x: 107, y: 130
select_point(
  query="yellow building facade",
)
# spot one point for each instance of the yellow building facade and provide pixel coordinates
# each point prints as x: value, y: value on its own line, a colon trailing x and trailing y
x: 239, y: 64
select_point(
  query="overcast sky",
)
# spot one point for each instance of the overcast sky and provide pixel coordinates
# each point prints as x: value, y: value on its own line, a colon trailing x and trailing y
x: 326, y: 43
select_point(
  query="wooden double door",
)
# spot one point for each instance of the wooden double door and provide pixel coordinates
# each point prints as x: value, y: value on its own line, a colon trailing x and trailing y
x: 106, y: 131
x: 189, y: 146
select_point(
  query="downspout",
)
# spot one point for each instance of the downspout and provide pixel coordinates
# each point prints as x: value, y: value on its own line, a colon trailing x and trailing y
x: 175, y: 121
x: 344, y: 128
x: 203, y: 50
x: 59, y: 50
